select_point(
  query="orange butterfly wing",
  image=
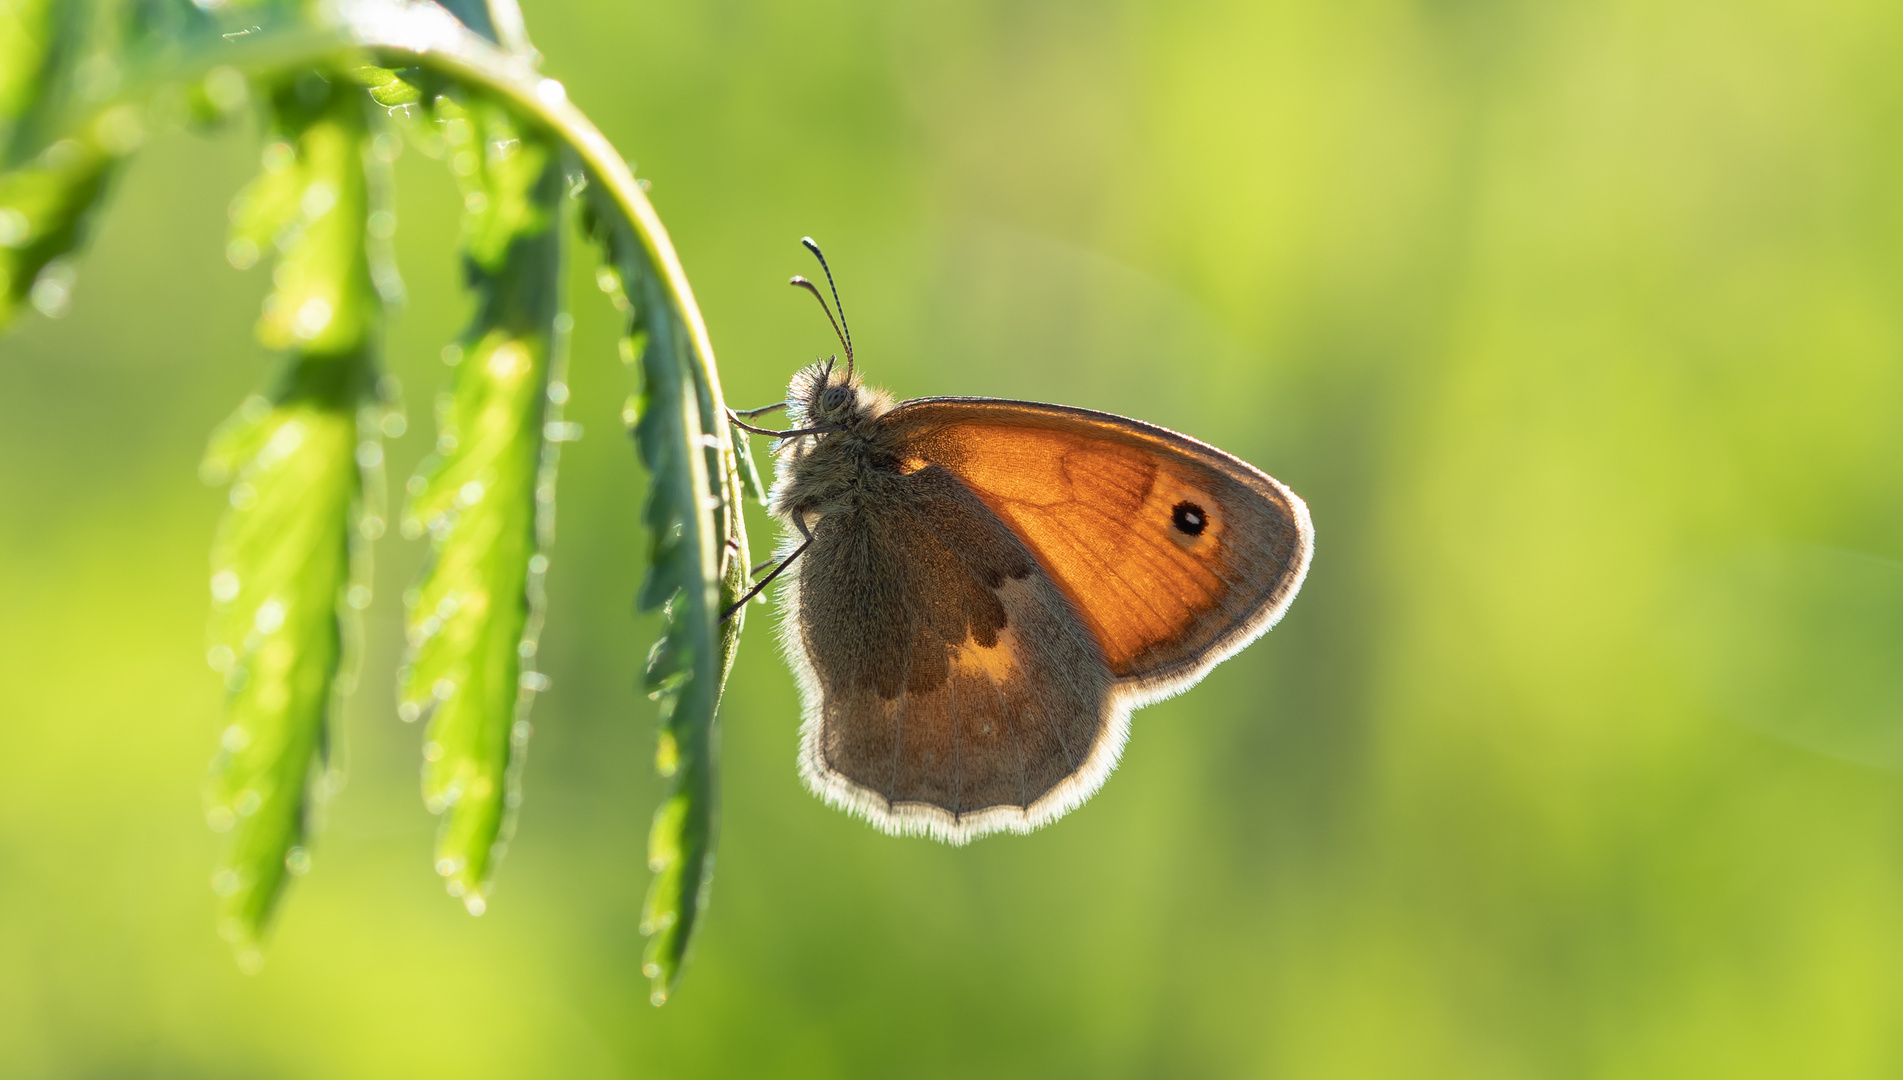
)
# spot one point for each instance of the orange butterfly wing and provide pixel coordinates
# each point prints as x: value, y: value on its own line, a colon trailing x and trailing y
x: 1174, y: 553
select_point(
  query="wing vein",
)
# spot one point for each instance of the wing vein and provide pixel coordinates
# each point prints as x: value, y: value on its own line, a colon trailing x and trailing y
x: 1130, y: 599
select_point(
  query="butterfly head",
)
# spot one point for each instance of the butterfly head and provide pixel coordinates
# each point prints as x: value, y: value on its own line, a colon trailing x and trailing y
x: 826, y: 395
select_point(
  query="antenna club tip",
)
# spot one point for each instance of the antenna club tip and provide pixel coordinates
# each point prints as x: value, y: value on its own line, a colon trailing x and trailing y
x: 809, y: 241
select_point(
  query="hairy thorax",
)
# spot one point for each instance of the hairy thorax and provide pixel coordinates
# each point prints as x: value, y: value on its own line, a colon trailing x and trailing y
x: 850, y: 461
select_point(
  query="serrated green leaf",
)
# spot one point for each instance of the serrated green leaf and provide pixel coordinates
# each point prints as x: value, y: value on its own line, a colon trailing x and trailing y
x: 485, y: 496
x: 696, y: 565
x: 76, y: 78
x: 322, y: 312
x: 699, y: 543
x: 288, y: 557
x: 46, y: 207
x: 279, y: 569
x: 54, y: 175
x: 309, y: 206
x: 499, y: 171
x: 28, y: 32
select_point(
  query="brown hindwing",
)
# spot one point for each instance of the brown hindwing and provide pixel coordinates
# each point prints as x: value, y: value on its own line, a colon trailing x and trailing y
x: 954, y: 683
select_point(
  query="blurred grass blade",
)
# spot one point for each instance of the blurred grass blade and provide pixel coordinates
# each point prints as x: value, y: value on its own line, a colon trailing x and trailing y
x: 487, y: 496
x: 287, y: 557
x: 696, y: 565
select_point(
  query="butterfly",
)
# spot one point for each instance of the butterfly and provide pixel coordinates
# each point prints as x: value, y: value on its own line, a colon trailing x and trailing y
x: 978, y: 592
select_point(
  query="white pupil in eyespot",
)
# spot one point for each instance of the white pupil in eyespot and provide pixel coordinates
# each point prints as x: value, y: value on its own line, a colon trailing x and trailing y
x: 1189, y: 518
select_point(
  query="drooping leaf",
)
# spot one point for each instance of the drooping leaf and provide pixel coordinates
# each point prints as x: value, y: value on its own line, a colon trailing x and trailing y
x: 698, y: 557
x: 31, y: 33
x: 300, y: 455
x: 486, y: 496
x: 45, y: 208
x: 697, y: 540
x: 53, y: 173
x: 696, y: 566
x: 289, y: 559
x: 310, y: 204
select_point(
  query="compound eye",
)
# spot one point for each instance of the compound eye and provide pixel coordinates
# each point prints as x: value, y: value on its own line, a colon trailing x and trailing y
x: 834, y: 398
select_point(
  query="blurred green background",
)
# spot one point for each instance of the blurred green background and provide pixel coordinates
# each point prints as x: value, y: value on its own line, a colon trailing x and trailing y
x: 1580, y: 327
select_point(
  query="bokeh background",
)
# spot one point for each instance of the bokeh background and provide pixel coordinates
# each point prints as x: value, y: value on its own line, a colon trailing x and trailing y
x: 1579, y: 325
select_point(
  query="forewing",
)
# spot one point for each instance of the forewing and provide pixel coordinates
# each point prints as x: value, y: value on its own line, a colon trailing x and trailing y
x: 950, y: 687
x: 1174, y: 552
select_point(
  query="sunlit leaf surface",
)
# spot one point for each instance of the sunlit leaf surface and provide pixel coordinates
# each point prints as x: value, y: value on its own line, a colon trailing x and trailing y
x: 486, y: 496
x: 282, y: 564
x: 696, y: 564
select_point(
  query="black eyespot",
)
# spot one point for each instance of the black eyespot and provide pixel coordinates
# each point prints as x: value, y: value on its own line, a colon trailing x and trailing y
x: 1189, y: 519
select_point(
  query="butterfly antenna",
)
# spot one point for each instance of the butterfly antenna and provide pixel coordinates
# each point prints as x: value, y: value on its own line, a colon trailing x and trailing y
x: 799, y: 282
x: 846, y: 337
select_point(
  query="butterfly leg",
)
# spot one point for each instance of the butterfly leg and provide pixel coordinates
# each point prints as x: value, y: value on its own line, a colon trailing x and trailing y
x: 734, y: 419
x: 761, y: 411
x: 768, y: 580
